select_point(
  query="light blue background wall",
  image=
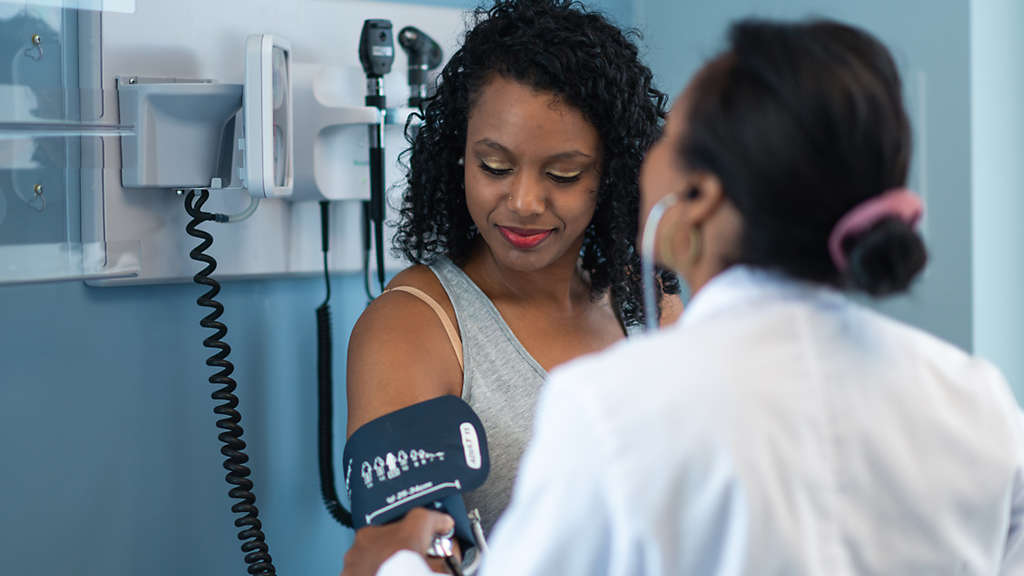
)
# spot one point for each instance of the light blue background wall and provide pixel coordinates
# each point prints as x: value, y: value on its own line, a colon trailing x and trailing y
x: 997, y: 151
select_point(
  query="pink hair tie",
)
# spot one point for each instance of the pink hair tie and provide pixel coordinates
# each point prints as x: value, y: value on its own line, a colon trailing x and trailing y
x: 898, y: 203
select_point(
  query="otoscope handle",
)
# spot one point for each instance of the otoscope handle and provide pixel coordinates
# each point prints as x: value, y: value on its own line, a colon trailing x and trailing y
x: 377, y: 185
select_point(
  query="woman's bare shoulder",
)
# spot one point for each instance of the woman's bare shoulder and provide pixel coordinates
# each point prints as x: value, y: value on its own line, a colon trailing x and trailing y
x: 399, y: 353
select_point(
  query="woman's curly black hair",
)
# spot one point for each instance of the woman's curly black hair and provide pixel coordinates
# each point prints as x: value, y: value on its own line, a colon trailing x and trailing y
x: 556, y: 46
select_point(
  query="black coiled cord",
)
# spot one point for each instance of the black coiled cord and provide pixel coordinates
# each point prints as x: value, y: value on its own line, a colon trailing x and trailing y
x: 325, y: 391
x: 254, y: 545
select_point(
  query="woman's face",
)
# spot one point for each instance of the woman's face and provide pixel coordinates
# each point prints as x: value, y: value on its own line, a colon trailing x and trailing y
x: 532, y: 172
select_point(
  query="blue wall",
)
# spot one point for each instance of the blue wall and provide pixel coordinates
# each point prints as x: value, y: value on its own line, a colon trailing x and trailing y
x: 997, y: 145
x: 622, y: 11
x: 109, y: 451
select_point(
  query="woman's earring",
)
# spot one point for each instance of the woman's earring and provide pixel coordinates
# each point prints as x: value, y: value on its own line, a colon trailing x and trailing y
x: 693, y: 254
x: 696, y: 246
x: 461, y: 161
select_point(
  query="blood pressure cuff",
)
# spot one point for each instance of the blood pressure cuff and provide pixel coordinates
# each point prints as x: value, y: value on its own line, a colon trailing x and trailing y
x: 426, y: 454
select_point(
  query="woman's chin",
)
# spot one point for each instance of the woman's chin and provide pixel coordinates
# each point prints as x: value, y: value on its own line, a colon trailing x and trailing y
x: 522, y: 261
x: 531, y: 260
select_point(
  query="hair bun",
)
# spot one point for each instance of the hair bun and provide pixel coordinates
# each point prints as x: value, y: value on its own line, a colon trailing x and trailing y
x: 886, y: 258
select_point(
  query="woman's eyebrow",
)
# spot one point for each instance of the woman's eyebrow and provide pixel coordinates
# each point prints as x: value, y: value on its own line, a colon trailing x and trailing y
x: 567, y: 155
x: 492, y: 144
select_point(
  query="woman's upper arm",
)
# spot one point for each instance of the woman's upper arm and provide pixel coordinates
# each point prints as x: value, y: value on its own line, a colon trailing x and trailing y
x: 398, y: 355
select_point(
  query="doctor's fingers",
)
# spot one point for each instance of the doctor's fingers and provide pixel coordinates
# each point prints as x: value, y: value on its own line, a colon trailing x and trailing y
x: 373, y: 545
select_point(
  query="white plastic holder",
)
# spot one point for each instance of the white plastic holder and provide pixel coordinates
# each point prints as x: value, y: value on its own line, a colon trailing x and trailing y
x: 332, y: 151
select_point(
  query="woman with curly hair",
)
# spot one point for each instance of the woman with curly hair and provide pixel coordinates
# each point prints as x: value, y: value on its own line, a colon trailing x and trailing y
x: 520, y: 217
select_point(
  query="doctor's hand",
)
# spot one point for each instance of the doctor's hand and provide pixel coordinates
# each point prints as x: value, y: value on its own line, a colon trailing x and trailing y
x: 375, y: 544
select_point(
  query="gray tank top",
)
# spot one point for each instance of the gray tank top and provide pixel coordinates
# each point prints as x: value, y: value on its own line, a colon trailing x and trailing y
x: 501, y: 382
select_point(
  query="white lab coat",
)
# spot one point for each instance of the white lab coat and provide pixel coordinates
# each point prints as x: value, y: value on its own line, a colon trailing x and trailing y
x: 777, y: 429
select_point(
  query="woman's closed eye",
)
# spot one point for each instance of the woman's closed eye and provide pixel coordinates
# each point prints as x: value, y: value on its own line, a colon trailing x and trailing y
x: 564, y: 177
x: 495, y: 168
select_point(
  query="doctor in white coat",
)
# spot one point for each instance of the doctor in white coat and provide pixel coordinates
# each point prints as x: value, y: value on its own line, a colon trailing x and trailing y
x: 779, y: 427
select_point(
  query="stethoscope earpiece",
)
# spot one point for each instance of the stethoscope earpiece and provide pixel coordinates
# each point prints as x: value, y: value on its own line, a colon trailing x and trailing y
x: 647, y: 250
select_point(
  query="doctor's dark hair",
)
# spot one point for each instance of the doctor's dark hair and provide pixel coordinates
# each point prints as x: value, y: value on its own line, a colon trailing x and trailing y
x: 802, y: 122
x: 554, y: 46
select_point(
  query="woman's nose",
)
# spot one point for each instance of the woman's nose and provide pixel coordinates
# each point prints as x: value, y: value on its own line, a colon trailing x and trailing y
x: 527, y: 196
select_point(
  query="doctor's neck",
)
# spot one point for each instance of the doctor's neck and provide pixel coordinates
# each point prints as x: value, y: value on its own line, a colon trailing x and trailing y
x: 699, y: 276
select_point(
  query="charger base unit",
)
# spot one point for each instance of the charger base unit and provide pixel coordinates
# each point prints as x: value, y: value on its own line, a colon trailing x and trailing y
x: 268, y: 170
x: 182, y: 131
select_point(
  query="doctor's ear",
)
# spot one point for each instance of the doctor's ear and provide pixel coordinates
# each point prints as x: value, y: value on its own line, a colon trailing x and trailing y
x: 702, y: 196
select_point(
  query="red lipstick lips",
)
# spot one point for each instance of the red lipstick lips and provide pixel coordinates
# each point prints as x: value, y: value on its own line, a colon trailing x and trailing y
x: 524, y: 238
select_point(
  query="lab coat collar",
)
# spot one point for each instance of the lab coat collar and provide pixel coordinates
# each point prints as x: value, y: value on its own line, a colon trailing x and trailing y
x: 741, y: 285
